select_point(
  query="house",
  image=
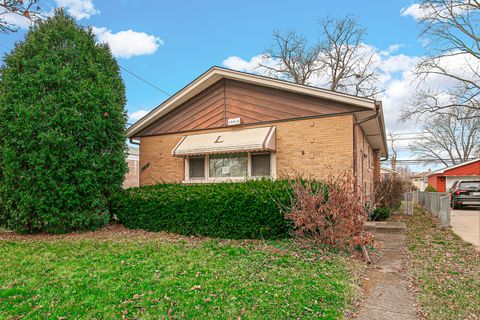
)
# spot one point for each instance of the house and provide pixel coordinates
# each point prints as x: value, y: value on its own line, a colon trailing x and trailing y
x: 420, y: 180
x: 443, y: 179
x: 132, y: 176
x: 385, y: 172
x: 231, y: 125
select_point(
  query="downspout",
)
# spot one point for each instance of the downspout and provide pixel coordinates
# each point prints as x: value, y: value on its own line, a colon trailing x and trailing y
x: 375, y: 116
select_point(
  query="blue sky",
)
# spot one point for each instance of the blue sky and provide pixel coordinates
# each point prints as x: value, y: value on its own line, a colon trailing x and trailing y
x: 169, y: 43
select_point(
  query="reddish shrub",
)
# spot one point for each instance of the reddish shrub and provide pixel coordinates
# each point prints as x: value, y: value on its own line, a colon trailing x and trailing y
x: 389, y: 192
x: 329, y: 211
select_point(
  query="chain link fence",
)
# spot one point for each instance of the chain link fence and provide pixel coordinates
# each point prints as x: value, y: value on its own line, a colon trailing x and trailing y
x: 437, y: 203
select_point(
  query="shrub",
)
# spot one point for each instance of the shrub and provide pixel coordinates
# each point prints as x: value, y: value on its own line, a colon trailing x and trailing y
x: 331, y: 213
x: 380, y: 214
x: 62, y: 137
x: 389, y: 192
x: 225, y: 210
x: 430, y: 188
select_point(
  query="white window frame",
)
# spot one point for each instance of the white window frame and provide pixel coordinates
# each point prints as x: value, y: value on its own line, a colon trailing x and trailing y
x: 208, y: 179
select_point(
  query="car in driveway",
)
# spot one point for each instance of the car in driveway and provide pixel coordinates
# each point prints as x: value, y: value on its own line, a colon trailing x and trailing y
x: 465, y: 193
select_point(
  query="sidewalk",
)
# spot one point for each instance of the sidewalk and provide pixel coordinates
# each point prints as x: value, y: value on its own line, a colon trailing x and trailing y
x: 385, y: 286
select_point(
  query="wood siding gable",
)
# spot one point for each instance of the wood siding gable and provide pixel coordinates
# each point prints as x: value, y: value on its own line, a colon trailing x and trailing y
x: 252, y: 103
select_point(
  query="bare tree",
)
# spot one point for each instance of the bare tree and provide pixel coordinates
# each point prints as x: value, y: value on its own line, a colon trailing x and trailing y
x: 393, y: 144
x: 297, y: 61
x: 339, y: 61
x: 347, y: 64
x: 450, y: 138
x: 451, y: 29
x: 13, y: 10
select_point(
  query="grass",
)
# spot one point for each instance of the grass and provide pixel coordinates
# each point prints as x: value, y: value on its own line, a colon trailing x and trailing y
x: 154, y: 278
x: 445, y: 270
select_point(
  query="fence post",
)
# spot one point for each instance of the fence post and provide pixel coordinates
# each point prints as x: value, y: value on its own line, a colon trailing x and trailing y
x: 407, y: 202
x: 445, y: 211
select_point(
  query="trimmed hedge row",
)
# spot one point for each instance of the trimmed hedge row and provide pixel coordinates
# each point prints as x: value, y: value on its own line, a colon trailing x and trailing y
x: 249, y: 210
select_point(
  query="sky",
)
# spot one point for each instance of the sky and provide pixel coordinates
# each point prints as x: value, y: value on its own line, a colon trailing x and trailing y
x: 170, y: 43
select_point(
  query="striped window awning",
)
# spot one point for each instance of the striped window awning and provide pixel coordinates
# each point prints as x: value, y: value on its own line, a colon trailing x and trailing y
x: 245, y: 140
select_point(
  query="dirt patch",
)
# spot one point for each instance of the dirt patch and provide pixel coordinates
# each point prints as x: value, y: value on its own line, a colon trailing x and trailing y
x: 109, y: 232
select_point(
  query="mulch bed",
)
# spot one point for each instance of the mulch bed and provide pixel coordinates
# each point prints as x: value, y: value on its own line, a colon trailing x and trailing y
x: 110, y: 231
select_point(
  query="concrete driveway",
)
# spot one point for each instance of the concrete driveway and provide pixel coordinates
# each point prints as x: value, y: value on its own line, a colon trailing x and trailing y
x: 466, y: 223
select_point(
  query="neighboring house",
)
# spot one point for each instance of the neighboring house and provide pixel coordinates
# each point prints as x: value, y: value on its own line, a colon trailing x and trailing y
x: 443, y: 179
x: 385, y: 172
x: 132, y: 176
x: 420, y: 180
x: 230, y: 125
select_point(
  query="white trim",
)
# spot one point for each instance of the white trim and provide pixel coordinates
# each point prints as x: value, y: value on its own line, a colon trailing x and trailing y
x: 249, y: 164
x: 208, y: 179
x: 453, y: 167
x: 187, y: 168
x: 273, y: 165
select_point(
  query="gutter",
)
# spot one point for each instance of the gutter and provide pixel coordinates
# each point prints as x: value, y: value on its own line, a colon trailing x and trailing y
x: 134, y: 142
x: 378, y: 105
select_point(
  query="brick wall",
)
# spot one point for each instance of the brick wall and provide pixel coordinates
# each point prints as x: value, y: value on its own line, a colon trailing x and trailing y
x: 313, y: 147
x: 156, y: 161
x: 376, y: 167
x: 365, y: 163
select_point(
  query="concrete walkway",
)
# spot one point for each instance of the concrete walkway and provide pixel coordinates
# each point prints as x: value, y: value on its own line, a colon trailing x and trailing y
x: 385, y: 285
x: 466, y: 223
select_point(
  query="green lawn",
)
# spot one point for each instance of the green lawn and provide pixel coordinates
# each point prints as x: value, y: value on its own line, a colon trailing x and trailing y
x: 445, y: 270
x: 147, y: 277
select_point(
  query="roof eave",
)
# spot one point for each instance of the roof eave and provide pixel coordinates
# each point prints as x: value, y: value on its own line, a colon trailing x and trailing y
x: 215, y: 74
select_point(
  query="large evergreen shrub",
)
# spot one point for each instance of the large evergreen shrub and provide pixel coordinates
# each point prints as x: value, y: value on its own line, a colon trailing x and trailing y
x: 62, y: 121
x: 250, y: 210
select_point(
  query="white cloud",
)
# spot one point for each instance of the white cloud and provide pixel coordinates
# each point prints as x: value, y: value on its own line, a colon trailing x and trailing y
x: 254, y: 65
x: 14, y: 19
x: 129, y: 43
x: 415, y: 10
x: 79, y: 9
x: 137, y: 115
x: 397, y: 79
x: 397, y: 63
x: 391, y: 49
x: 420, y: 11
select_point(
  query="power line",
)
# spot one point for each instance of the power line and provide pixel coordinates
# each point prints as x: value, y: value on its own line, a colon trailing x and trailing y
x: 147, y: 82
x: 130, y: 72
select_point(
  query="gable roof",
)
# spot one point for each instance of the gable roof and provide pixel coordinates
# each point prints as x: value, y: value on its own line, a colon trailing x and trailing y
x: 440, y: 171
x: 367, y: 106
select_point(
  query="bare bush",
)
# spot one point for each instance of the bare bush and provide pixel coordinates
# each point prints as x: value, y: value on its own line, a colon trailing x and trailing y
x: 330, y: 211
x: 389, y: 192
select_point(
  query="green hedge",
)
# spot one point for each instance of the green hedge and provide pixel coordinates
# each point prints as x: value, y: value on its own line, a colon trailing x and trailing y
x: 249, y: 210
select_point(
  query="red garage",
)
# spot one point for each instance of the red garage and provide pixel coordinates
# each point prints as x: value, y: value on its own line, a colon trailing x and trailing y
x: 443, y: 179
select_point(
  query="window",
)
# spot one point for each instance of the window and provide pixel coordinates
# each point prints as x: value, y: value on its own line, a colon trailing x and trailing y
x: 469, y: 185
x: 197, y: 168
x: 228, y: 165
x: 260, y: 165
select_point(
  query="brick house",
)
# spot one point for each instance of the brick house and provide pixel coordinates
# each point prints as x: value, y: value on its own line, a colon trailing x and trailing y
x: 443, y: 179
x: 230, y: 125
